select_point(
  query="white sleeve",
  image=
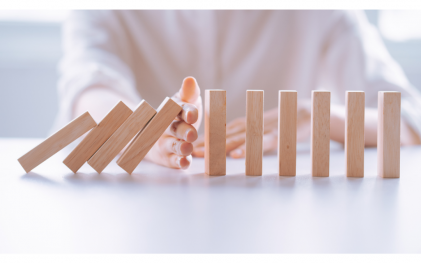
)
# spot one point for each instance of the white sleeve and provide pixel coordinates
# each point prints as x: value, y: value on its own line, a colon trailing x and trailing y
x: 96, y: 52
x: 355, y: 58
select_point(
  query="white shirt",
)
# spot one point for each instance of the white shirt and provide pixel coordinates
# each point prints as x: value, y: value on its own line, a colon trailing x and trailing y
x: 147, y: 54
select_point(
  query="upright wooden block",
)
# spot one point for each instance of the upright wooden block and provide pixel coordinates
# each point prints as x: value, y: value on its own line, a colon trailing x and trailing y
x: 354, y: 133
x: 215, y: 132
x: 144, y: 141
x: 57, y: 141
x: 254, y: 132
x: 120, y: 138
x: 320, y: 133
x: 388, y: 134
x: 97, y: 137
x: 287, y: 132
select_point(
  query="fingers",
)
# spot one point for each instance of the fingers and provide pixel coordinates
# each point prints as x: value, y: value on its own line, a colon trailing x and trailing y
x: 189, y: 114
x: 235, y: 141
x: 189, y: 91
x: 183, y: 131
x: 176, y: 162
x: 170, y: 144
x: 270, y: 142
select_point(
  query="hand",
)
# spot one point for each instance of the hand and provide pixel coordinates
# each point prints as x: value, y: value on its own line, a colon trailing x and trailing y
x: 174, y: 148
x: 236, y: 132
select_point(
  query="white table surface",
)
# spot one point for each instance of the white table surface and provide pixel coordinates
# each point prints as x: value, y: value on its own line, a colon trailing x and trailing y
x: 160, y: 210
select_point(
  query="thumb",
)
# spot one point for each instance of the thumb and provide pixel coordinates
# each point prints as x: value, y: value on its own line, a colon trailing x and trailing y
x: 189, y: 91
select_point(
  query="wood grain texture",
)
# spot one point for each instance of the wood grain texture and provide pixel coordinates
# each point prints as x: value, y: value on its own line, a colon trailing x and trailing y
x: 215, y: 132
x: 287, y: 132
x: 320, y: 133
x: 354, y: 133
x: 254, y: 132
x: 122, y: 136
x: 57, y: 141
x: 388, y: 134
x: 144, y: 141
x: 97, y: 137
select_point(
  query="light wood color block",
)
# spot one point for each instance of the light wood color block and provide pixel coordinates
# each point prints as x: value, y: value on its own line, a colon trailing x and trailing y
x: 120, y: 138
x: 144, y: 141
x: 254, y: 132
x: 215, y: 132
x: 320, y: 133
x: 57, y: 141
x: 354, y: 133
x: 287, y: 132
x: 388, y: 134
x: 97, y: 137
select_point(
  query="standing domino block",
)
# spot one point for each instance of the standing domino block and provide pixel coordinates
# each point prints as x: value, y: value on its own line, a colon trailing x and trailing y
x: 354, y: 133
x: 91, y: 143
x: 254, y: 132
x: 320, y: 133
x: 215, y: 132
x: 57, y: 141
x: 144, y: 141
x: 388, y: 134
x: 134, y: 124
x: 287, y: 132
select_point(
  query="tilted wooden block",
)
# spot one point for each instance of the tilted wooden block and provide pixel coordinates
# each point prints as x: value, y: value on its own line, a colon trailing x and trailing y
x: 354, y: 133
x: 254, y: 132
x: 91, y: 143
x: 388, y: 134
x: 320, y: 133
x: 144, y: 141
x: 215, y: 132
x: 287, y: 132
x: 57, y: 141
x: 120, y: 138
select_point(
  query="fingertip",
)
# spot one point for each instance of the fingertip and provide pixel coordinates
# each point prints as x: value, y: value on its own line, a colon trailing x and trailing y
x: 237, y: 153
x: 186, y: 148
x: 190, y: 90
x: 191, y: 136
x: 184, y: 162
x: 199, y: 152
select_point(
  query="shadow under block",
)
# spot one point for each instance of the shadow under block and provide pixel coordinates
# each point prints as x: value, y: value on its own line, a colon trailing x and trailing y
x: 97, y: 137
x: 215, y: 132
x: 354, y: 133
x: 122, y: 136
x: 388, y: 134
x: 57, y: 141
x: 320, y: 133
x: 144, y: 141
x: 287, y: 132
x: 254, y: 132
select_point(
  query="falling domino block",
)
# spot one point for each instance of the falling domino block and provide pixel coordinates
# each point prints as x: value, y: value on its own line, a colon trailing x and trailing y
x: 254, y: 132
x: 144, y: 141
x: 320, y: 133
x: 95, y: 138
x: 120, y: 138
x: 287, y: 132
x: 57, y: 141
x: 215, y: 132
x: 354, y: 133
x: 388, y: 134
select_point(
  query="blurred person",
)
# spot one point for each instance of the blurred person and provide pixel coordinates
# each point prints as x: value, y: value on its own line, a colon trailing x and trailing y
x: 132, y: 55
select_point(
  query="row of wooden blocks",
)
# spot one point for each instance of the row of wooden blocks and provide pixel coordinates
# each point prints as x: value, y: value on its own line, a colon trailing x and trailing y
x: 388, y: 133
x: 145, y: 125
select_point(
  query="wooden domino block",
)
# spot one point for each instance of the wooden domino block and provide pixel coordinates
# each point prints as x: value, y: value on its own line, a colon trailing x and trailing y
x: 91, y: 143
x: 57, y: 141
x: 144, y: 141
x: 215, y: 132
x: 287, y: 132
x: 354, y: 133
x: 388, y: 134
x: 120, y: 138
x: 320, y: 133
x: 254, y: 132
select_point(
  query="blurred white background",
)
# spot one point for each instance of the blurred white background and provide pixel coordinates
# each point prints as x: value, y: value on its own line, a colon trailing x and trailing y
x: 30, y: 49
